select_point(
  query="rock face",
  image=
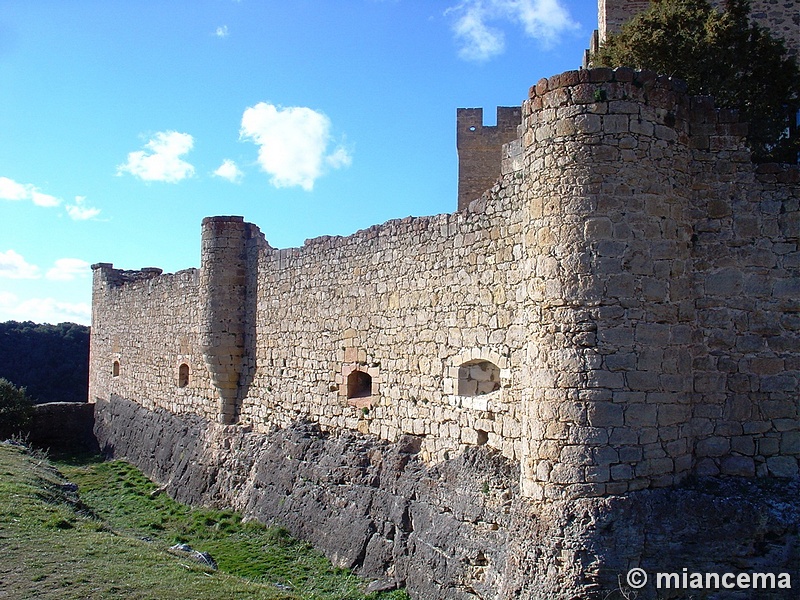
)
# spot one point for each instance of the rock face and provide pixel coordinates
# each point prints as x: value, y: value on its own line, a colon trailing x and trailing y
x: 459, y: 529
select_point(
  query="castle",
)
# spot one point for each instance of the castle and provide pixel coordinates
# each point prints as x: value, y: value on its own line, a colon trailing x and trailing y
x: 615, y: 311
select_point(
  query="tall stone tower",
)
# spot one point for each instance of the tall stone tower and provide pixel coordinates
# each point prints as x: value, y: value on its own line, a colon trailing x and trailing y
x: 480, y: 149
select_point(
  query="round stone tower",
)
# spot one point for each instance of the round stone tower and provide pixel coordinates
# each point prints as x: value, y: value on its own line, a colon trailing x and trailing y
x: 606, y: 170
x: 223, y: 295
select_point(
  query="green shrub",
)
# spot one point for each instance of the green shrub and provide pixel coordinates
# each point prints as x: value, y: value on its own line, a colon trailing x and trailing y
x: 16, y: 409
x: 721, y: 54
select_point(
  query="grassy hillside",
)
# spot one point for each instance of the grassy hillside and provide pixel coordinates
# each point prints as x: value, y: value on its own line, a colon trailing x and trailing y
x: 110, y: 538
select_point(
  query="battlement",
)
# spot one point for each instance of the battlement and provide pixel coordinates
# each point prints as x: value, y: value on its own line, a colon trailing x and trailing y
x: 111, y: 276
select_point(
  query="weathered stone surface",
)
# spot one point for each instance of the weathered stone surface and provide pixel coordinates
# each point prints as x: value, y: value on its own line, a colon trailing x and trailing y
x: 459, y: 530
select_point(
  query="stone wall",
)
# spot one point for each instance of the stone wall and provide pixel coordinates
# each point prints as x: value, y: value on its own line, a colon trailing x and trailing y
x: 444, y: 286
x: 145, y: 325
x: 408, y: 303
x: 630, y: 280
x: 63, y: 428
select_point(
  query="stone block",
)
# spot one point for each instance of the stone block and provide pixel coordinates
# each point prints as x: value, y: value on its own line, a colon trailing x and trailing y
x: 642, y: 380
x: 576, y: 455
x: 778, y: 383
x: 588, y: 435
x: 597, y: 228
x: 621, y: 472
x: 604, y: 379
x: 648, y: 435
x: 782, y: 466
x: 596, y: 474
x: 605, y: 414
x: 741, y: 466
x: 743, y: 444
x: 790, y: 442
x: 563, y: 474
x: 671, y: 414
x: 623, y: 435
x: 726, y: 283
x: 707, y: 467
x: 656, y: 334
x: 713, y: 446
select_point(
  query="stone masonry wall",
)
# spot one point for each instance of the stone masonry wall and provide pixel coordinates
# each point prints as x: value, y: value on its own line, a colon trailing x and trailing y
x: 149, y: 324
x: 747, y: 285
x: 408, y: 303
x: 631, y: 281
x: 608, y: 244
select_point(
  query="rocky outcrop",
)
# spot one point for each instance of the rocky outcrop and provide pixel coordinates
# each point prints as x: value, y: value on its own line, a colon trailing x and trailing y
x: 460, y: 529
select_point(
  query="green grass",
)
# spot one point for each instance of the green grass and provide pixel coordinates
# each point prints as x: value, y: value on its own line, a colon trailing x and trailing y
x: 112, y: 541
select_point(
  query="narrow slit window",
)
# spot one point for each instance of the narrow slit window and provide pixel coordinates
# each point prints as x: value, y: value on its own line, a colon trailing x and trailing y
x: 115, y: 369
x: 359, y: 385
x: 183, y: 375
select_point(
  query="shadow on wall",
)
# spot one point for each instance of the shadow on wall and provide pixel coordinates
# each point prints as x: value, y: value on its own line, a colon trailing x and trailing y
x: 248, y: 366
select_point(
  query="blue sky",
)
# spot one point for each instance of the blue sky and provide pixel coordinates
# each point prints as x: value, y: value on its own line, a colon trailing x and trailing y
x: 123, y: 124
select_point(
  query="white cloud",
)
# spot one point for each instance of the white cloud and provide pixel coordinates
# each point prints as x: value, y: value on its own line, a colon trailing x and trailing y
x: 293, y: 143
x: 222, y: 31
x: 43, y: 310
x: 80, y: 212
x: 339, y: 158
x: 11, y: 190
x: 543, y: 20
x: 479, y: 42
x: 228, y: 170
x: 162, y: 160
x: 14, y: 266
x: 40, y: 199
x: 67, y: 269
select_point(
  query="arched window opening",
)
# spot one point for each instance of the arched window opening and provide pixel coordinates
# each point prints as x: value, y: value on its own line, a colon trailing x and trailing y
x: 115, y: 369
x: 359, y: 385
x: 478, y: 377
x: 183, y: 375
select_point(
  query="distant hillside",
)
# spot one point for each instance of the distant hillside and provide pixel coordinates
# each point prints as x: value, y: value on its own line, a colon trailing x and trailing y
x: 51, y: 361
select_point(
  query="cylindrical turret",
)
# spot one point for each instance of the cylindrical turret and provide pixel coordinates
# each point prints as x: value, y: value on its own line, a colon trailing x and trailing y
x: 606, y: 157
x: 223, y: 289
